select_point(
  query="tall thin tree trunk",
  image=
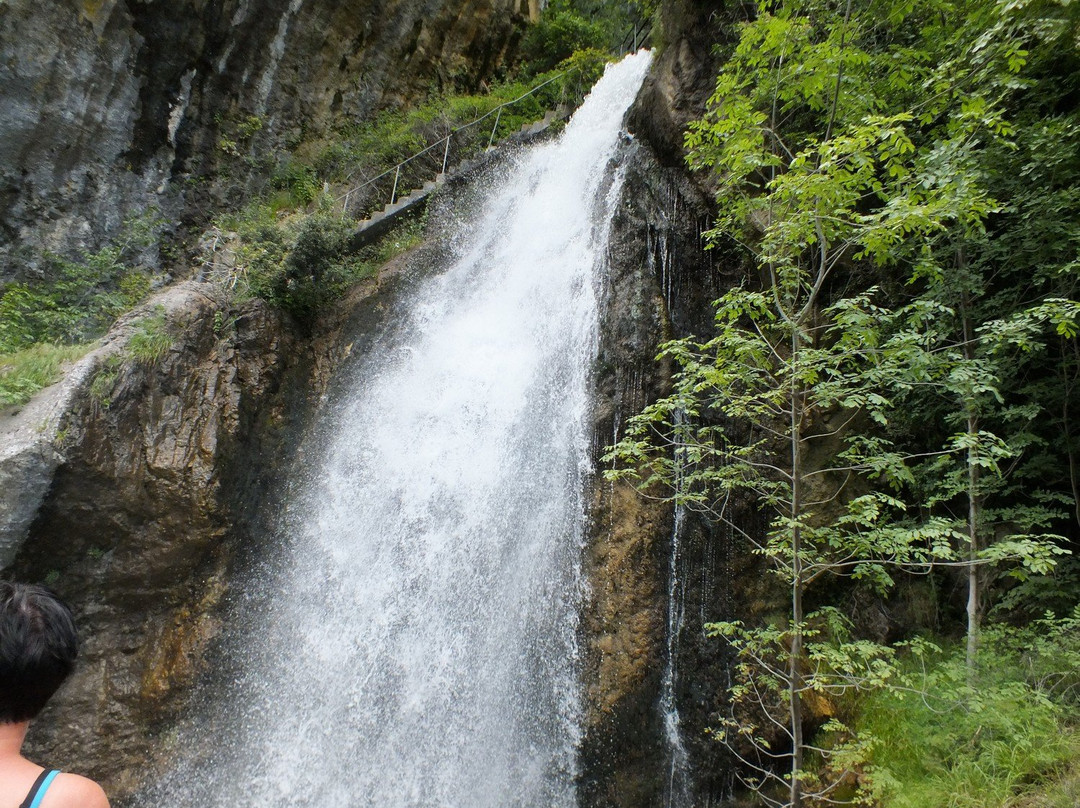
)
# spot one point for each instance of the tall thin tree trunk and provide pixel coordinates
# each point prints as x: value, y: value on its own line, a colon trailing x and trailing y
x: 795, y: 674
x: 973, y: 609
x: 796, y: 644
x: 974, y: 506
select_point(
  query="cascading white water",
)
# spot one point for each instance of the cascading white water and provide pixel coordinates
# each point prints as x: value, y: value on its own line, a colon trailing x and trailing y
x: 417, y: 644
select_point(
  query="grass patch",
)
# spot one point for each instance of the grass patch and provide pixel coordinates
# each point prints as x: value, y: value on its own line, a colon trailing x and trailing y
x: 151, y: 340
x: 1009, y: 739
x: 401, y: 239
x: 45, y: 322
x: 24, y: 372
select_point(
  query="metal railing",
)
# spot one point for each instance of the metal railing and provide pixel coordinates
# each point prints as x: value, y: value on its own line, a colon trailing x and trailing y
x: 445, y: 142
x: 634, y: 39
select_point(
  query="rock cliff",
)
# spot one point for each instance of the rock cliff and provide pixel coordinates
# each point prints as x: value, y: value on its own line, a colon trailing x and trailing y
x: 147, y: 477
x: 112, y: 107
x: 663, y: 281
x: 134, y: 529
x: 158, y: 471
x: 660, y: 283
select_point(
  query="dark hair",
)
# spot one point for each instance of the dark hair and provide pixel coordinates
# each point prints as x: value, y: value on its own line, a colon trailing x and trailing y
x: 38, y: 646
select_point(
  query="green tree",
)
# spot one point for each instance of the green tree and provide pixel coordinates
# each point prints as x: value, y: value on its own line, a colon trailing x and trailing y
x: 765, y: 410
x: 848, y: 143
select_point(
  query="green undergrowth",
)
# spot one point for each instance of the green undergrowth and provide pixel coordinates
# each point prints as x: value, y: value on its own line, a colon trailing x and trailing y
x: 148, y: 344
x: 352, y: 160
x: 1006, y: 738
x: 302, y: 262
x: 568, y: 26
x: 27, y: 370
x: 52, y: 318
x: 101, y: 386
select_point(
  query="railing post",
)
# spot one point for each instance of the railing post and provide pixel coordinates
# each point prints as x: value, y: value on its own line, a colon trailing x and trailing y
x: 495, y: 127
x: 446, y: 148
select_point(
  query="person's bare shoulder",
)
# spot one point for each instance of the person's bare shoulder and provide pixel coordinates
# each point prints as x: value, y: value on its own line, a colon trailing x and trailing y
x: 74, y: 791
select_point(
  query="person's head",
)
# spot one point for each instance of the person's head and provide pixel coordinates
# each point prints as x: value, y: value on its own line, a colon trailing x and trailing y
x: 38, y: 646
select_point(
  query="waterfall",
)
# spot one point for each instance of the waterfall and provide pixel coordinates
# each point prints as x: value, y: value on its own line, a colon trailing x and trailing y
x: 416, y: 644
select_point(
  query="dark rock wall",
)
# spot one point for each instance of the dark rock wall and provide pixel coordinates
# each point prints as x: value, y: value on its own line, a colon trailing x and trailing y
x: 661, y: 286
x: 110, y: 107
x: 660, y: 282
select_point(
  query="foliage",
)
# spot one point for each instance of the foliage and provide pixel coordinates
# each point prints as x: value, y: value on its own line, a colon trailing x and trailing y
x: 776, y: 382
x: 237, y: 135
x: 302, y: 263
x: 404, y: 237
x: 940, y: 742
x: 888, y: 426
x: 300, y: 182
x: 79, y: 299
x: 151, y: 340
x: 582, y: 69
x: 27, y: 370
x: 569, y: 25
x: 362, y: 158
x: 560, y: 32
x: 837, y: 669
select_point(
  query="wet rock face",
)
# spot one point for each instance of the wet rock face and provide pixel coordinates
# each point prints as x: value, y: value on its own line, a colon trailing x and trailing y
x: 111, y: 107
x: 134, y: 530
x: 659, y: 285
x: 684, y: 75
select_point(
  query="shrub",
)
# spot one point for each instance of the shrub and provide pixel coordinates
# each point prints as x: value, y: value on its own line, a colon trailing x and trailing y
x: 556, y: 37
x: 301, y: 264
x: 300, y: 182
x: 583, y: 69
x: 950, y: 743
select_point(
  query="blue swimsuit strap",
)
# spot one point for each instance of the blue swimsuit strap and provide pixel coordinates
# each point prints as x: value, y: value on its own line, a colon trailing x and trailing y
x: 37, y: 791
